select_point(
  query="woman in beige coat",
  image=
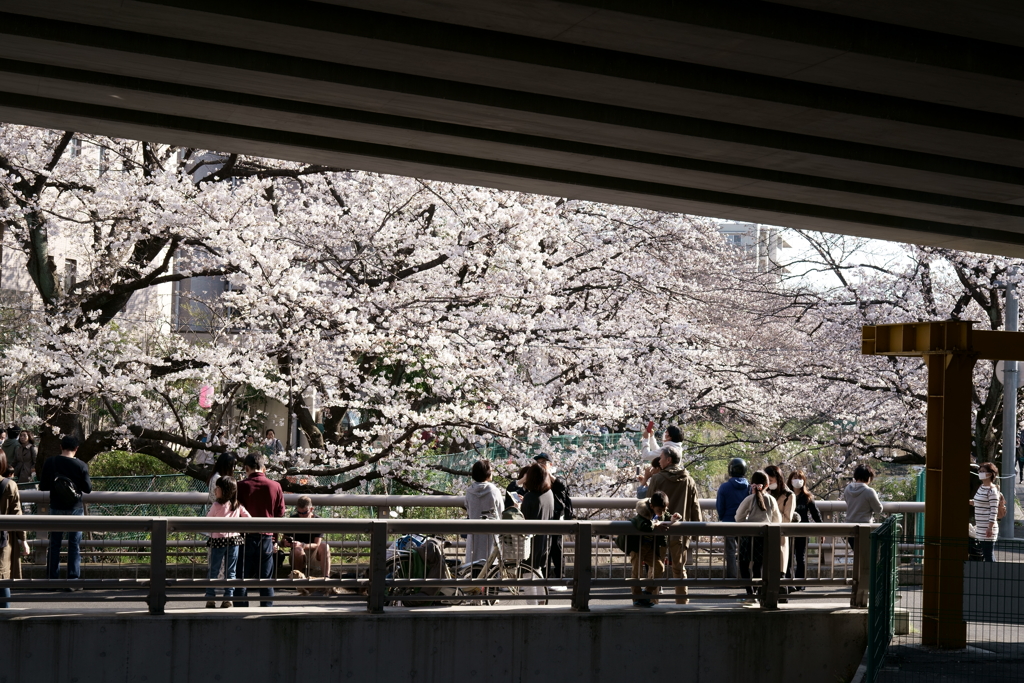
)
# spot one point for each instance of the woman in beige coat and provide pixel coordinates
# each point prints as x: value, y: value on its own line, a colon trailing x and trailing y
x: 786, y: 500
x: 10, y: 504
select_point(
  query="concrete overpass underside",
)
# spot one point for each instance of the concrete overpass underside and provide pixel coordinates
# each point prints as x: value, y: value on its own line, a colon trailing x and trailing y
x: 900, y: 121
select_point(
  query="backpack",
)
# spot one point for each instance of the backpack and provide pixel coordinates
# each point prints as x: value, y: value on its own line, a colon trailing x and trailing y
x: 64, y: 495
x: 1001, y: 511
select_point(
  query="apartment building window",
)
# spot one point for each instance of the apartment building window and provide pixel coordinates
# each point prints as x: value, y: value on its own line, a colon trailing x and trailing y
x: 76, y: 147
x: 104, y: 163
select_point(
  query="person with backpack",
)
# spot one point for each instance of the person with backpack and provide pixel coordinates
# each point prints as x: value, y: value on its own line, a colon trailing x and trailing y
x: 66, y: 478
x: 681, y: 491
x: 10, y: 504
x: 647, y: 550
x: 224, y: 546
x: 988, y: 504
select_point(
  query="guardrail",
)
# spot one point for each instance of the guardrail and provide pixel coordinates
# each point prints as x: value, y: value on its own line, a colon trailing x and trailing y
x: 388, y: 502
x: 380, y: 578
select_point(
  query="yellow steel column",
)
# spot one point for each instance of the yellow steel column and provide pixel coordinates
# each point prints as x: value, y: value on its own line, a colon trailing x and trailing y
x: 950, y: 387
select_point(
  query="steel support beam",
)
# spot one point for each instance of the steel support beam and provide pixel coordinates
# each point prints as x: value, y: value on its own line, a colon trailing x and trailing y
x: 950, y: 383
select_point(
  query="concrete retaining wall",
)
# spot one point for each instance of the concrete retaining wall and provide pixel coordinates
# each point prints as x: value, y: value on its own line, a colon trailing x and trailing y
x: 700, y: 645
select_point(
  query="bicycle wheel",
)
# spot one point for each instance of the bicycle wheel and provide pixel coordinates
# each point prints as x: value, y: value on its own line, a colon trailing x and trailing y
x: 525, y: 594
x: 398, y: 568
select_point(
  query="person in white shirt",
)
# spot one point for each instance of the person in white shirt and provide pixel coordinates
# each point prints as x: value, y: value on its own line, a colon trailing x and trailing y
x: 986, y: 510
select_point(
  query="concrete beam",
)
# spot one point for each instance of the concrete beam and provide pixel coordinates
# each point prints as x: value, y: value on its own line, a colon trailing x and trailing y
x: 472, y: 170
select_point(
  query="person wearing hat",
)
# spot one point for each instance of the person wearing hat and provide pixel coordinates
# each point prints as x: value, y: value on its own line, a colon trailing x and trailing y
x: 681, y: 491
x: 563, y: 510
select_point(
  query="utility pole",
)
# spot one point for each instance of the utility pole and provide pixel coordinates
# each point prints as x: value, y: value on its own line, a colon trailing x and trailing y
x: 1010, y: 382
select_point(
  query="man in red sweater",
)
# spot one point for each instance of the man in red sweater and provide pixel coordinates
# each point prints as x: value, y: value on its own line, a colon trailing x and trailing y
x: 262, y: 497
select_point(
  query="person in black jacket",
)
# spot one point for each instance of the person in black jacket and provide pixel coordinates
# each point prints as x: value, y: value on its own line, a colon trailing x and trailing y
x: 516, y: 486
x: 64, y: 476
x: 807, y: 510
x: 563, y: 510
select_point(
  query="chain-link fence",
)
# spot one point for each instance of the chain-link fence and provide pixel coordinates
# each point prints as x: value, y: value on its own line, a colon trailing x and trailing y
x: 989, y: 608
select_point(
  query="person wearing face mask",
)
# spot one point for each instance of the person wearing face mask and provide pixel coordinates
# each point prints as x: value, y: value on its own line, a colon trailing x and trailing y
x: 806, y: 509
x: 787, y: 506
x: 986, y: 510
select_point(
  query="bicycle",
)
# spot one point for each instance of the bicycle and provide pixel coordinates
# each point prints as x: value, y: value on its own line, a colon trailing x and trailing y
x: 506, y: 561
x: 401, y: 560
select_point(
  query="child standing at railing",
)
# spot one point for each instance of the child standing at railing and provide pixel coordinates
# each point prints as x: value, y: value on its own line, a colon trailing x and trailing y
x: 224, y: 546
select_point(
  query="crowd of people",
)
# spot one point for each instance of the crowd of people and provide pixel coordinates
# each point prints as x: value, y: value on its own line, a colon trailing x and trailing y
x: 666, y: 494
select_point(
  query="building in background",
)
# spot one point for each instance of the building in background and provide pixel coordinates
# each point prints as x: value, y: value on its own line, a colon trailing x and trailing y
x: 760, y: 243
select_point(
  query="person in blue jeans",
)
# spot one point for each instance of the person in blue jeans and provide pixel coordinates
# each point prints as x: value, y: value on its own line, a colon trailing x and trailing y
x: 66, y: 478
x: 262, y: 497
x: 224, y: 546
x: 730, y: 494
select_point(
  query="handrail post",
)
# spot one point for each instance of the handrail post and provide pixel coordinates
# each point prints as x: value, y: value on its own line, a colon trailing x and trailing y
x: 582, y: 567
x: 861, y: 568
x: 378, y: 567
x: 771, y: 571
x: 157, y: 597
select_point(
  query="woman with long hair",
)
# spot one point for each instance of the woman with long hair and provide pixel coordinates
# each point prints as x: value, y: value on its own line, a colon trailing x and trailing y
x: 757, y: 507
x: 224, y: 546
x: 806, y: 509
x: 224, y: 467
x: 787, y: 505
x: 538, y: 503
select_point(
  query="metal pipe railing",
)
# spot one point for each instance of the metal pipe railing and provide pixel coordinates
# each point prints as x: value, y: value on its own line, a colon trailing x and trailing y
x: 378, y: 584
x: 359, y: 500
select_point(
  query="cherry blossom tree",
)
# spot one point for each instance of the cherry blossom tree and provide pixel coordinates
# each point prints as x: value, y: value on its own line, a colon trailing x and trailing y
x: 441, y: 314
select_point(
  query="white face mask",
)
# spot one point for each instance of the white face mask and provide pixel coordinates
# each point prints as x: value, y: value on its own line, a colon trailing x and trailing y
x: 982, y: 475
x: 798, y: 483
x: 772, y: 486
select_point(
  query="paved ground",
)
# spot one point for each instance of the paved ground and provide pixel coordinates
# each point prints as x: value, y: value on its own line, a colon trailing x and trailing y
x: 134, y: 600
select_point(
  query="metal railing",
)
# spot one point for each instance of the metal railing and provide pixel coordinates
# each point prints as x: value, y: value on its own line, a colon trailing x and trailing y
x: 885, y: 553
x: 826, y: 556
x: 370, y: 570
x: 380, y: 502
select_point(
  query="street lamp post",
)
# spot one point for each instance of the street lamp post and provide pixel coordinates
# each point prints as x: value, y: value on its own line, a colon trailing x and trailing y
x: 1010, y: 384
